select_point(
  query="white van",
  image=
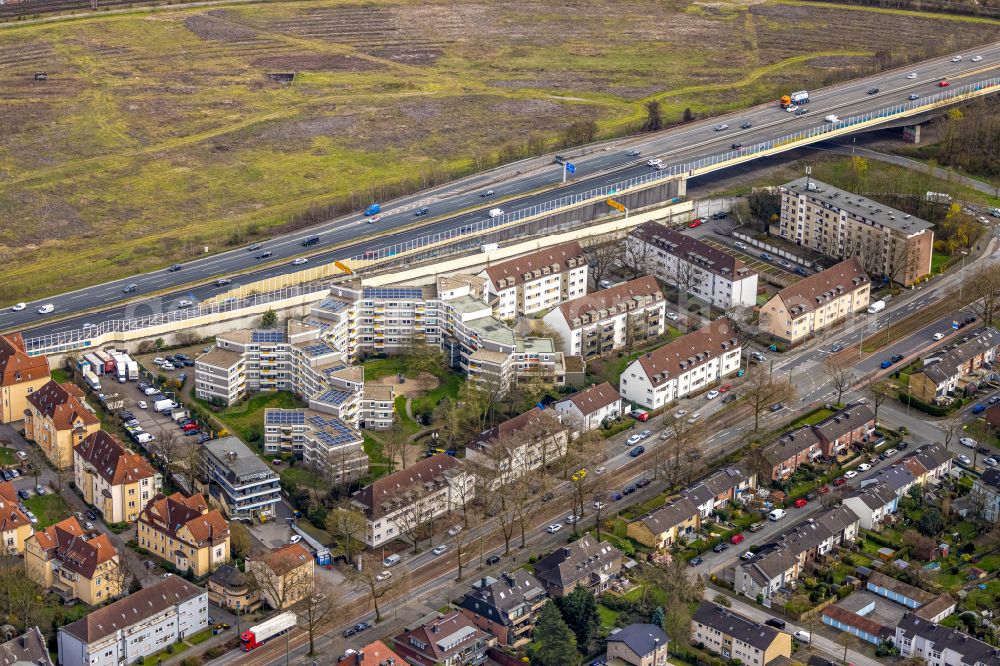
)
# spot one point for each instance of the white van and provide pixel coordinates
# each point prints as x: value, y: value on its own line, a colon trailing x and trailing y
x: 495, y: 212
x: 392, y: 560
x: 777, y: 514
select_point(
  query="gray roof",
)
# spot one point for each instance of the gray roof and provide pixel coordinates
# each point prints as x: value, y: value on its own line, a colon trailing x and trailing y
x: 643, y: 639
x: 973, y: 651
x: 948, y: 365
x: 931, y: 456
x: 732, y: 624
x: 771, y: 564
x: 991, y: 478
x: 896, y: 478
x: 229, y: 577
x: 790, y: 444
x: 662, y: 519
x: 237, y: 457
x: 875, y: 497
x: 576, y: 561
x: 720, y: 482
x: 849, y: 418
x: 496, y: 598
x: 809, y: 535
x: 858, y: 206
x: 28, y: 648
x: 692, y: 250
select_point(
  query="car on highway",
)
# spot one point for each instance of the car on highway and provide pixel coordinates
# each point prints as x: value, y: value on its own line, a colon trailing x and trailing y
x: 721, y: 126
x: 553, y: 528
x: 801, y: 112
x: 695, y: 561
x: 746, y: 125
x: 864, y: 467
x: 736, y: 538
x: 957, y: 58
x: 712, y: 395
x: 47, y: 308
x: 977, y: 58
x: 184, y: 303
x: 777, y: 407
x: 493, y: 559
x: 374, y: 219
x: 440, y: 550
x: 312, y: 240
x: 964, y: 459
x: 969, y: 442
x: 938, y: 336
x: 911, y: 75
x: 634, y: 439
x: 254, y: 247
x: 299, y: 261
x: 913, y: 96
x: 850, y: 474
x: 736, y: 146
x: 873, y: 91
x: 791, y: 108
x: 654, y: 162
x: 420, y: 212
x: 19, y: 307
x: 487, y: 193
x: 222, y: 282
x: 637, y: 451
x: 174, y: 268
x: 944, y: 84
x: 634, y: 153
x: 694, y: 223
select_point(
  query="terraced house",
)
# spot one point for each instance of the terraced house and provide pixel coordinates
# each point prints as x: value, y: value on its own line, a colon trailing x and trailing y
x: 20, y: 376
x: 74, y: 563
x: 185, y: 532
x: 112, y: 479
x: 57, y: 419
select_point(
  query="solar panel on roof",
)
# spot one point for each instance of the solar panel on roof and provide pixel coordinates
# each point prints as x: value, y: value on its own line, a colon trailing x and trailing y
x: 267, y: 336
x: 394, y: 292
x: 283, y: 417
x: 318, y: 348
x: 334, y: 397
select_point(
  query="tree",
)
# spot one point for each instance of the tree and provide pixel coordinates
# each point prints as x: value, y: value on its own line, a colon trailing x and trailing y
x: 654, y: 116
x: 19, y: 594
x: 580, y: 132
x: 579, y: 610
x: 555, y: 644
x: 239, y: 540
x: 841, y: 376
x: 980, y: 292
x: 931, y: 522
x: 765, y: 205
x: 411, y: 517
x: 370, y: 566
x: 601, y: 256
x: 672, y: 460
x: 951, y: 430
x: 348, y: 527
x: 761, y: 390
x: 881, y: 390
x: 462, y: 540
x: 394, y: 443
x: 319, y: 605
x: 845, y: 639
x: 269, y: 319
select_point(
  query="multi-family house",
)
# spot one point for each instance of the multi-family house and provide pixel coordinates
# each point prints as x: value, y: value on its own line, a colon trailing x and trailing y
x: 941, y: 646
x: 702, y: 270
x: 220, y: 376
x: 930, y: 462
x: 400, y: 502
x: 140, y: 625
x: 28, y: 648
x: 958, y: 370
x: 15, y: 527
x: 841, y: 224
x: 719, y: 488
x: 986, y: 491
x: 588, y: 409
x: 238, y: 481
x: 682, y: 367
x: 663, y: 527
x: 375, y: 653
x: 57, y: 418
x: 377, y: 406
x: 816, y: 303
x: 850, y: 426
x: 736, y: 637
x: 112, y: 479
x: 185, y: 532
x: 506, y: 607
x: 447, y: 640
x: 520, y: 444
x: 586, y: 562
x: 872, y: 505
x: 603, y: 321
x: 794, y: 448
x: 638, y: 645
x: 326, y: 442
x: 283, y: 576
x: 20, y: 376
x: 228, y: 587
x: 537, y: 281
x: 76, y: 564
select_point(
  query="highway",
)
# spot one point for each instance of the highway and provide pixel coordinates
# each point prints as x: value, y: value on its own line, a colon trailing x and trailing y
x: 454, y: 205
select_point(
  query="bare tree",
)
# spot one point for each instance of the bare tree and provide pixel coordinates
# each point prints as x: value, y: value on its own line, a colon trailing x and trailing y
x: 671, y: 459
x: 348, y: 527
x: 524, y: 502
x: 901, y: 258
x: 411, y: 516
x: 761, y: 390
x: 980, y: 292
x: 951, y: 429
x: 880, y: 390
x: 840, y: 375
x: 601, y: 256
x: 845, y: 639
x: 378, y: 585
x: 686, y: 276
x: 743, y: 317
x: 394, y: 443
x: 462, y: 541
x: 126, y: 572
x: 19, y: 594
x: 637, y: 257
x: 319, y: 605
x: 239, y: 540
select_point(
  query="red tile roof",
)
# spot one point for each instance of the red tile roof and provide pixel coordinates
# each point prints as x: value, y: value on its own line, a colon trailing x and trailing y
x: 690, y: 351
x: 823, y: 287
x: 594, y: 398
x: 559, y: 256
x: 67, y: 542
x: 286, y: 558
x: 62, y: 404
x: 115, y: 463
x: 645, y: 291
x: 11, y: 516
x: 169, y: 514
x: 15, y: 365
x: 382, y: 491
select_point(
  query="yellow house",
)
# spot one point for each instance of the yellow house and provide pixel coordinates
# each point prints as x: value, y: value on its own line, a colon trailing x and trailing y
x: 228, y: 587
x: 20, y: 376
x: 75, y: 564
x: 15, y: 528
x: 183, y: 531
x: 57, y: 419
x: 114, y: 480
x: 662, y: 527
x: 283, y: 576
x: 736, y: 637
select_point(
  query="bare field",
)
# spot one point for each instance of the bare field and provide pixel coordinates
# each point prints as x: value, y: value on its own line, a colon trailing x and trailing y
x: 160, y: 132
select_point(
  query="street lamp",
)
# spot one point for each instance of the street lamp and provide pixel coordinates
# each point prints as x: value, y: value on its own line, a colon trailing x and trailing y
x: 961, y: 277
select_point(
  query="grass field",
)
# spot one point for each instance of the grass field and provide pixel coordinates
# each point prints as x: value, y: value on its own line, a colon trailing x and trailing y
x: 158, y: 133
x: 49, y: 509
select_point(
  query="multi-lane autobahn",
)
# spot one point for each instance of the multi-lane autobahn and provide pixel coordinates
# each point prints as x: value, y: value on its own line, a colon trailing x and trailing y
x: 457, y: 204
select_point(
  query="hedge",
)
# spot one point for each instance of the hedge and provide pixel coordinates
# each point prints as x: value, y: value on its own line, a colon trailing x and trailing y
x: 928, y: 408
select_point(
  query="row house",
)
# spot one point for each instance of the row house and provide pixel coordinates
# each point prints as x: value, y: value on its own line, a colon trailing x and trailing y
x: 57, y: 419
x: 604, y: 321
x: 794, y: 448
x: 960, y: 370
x: 720, y: 488
x: 185, y: 532
x: 519, y: 445
x: 73, y: 562
x: 941, y: 646
x: 872, y: 505
x: 537, y: 281
x: 20, y: 376
x: 736, y: 637
x: 282, y: 576
x: 683, y: 367
x: 705, y: 271
x: 115, y: 481
x: 816, y: 303
x: 590, y: 408
x: 662, y: 528
x: 830, y: 438
x: 506, y: 607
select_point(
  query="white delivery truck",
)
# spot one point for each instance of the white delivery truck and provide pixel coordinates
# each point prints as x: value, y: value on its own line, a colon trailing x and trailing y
x: 832, y: 118
x: 179, y: 414
x: 258, y: 634
x: 876, y: 307
x: 164, y: 405
x: 495, y: 212
x: 92, y: 381
x: 133, y: 370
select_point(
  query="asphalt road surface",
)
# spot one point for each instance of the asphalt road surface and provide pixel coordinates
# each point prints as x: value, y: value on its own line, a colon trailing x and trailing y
x: 516, y: 186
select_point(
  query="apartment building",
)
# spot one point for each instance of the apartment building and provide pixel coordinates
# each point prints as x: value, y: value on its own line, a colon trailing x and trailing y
x: 700, y: 269
x: 662, y: 528
x: 519, y: 445
x: 392, y: 318
x: 238, y: 481
x: 591, y: 407
x: 537, y: 281
x: 136, y: 627
x: 398, y: 503
x: 683, y: 366
x: 377, y: 405
x: 28, y: 648
x: 506, y: 607
x: 955, y: 371
x: 283, y: 576
x: 112, y: 479
x: 941, y: 646
x: 20, y: 376
x: 638, y: 645
x: 449, y: 639
x: 185, y: 532
x: 584, y: 563
x: 57, y: 419
x: 839, y: 224
x: 816, y: 303
x: 220, y: 376
x: 603, y: 321
x: 736, y: 637
x: 72, y: 562
x: 15, y: 527
x: 318, y: 439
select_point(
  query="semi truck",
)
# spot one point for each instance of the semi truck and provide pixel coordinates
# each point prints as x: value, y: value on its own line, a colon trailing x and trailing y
x: 259, y: 634
x: 96, y: 364
x: 794, y: 99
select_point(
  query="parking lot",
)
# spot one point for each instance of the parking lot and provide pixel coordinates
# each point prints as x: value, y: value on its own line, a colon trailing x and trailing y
x: 756, y: 263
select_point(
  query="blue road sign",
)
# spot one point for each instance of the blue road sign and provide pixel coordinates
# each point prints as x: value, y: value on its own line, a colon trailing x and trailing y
x: 954, y: 325
x: 570, y: 167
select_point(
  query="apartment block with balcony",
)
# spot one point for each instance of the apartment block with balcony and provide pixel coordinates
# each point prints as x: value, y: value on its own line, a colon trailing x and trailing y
x: 605, y: 321
x: 703, y: 270
x: 237, y: 481
x: 519, y: 445
x: 20, y: 376
x: 537, y: 281
x: 392, y: 318
x: 506, y: 607
x: 221, y: 376
x: 112, y: 479
x: 890, y: 243
x: 57, y: 419
x: 318, y: 439
x: 185, y: 532
x: 450, y: 639
x: 74, y: 563
x: 377, y: 407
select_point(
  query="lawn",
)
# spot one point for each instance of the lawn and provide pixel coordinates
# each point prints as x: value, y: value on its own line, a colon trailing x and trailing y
x: 7, y: 457
x: 49, y: 508
x: 938, y: 262
x: 608, y: 616
x: 379, y: 464
x: 813, y: 418
x: 199, y: 637
x: 246, y: 420
x: 200, y: 148
x: 59, y: 375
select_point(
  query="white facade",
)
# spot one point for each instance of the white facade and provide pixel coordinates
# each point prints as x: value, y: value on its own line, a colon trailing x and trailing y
x: 589, y: 408
x: 519, y: 445
x: 537, y: 281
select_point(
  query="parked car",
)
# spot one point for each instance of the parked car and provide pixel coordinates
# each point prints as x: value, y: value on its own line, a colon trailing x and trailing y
x: 964, y: 459
x: 799, y: 503
x: 864, y: 467
x: 968, y: 441
x: 776, y: 623
x: 637, y: 451
x: 736, y: 538
x: 39, y: 490
x: 493, y: 559
x: 712, y: 395
x: 720, y: 547
x: 695, y: 561
x: 645, y: 433
x: 896, y: 358
x: 440, y: 550
x: 553, y: 528
x: 634, y: 439
x: 978, y: 409
x: 850, y: 474
x: 839, y: 481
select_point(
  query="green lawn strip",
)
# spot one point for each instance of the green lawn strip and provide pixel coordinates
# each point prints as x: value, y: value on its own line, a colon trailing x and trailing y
x: 814, y: 418
x: 377, y: 368
x: 246, y: 420
x: 59, y: 375
x: 199, y: 637
x: 378, y: 463
x: 320, y: 535
x: 608, y: 616
x: 49, y: 509
x: 451, y: 384
x: 7, y: 457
